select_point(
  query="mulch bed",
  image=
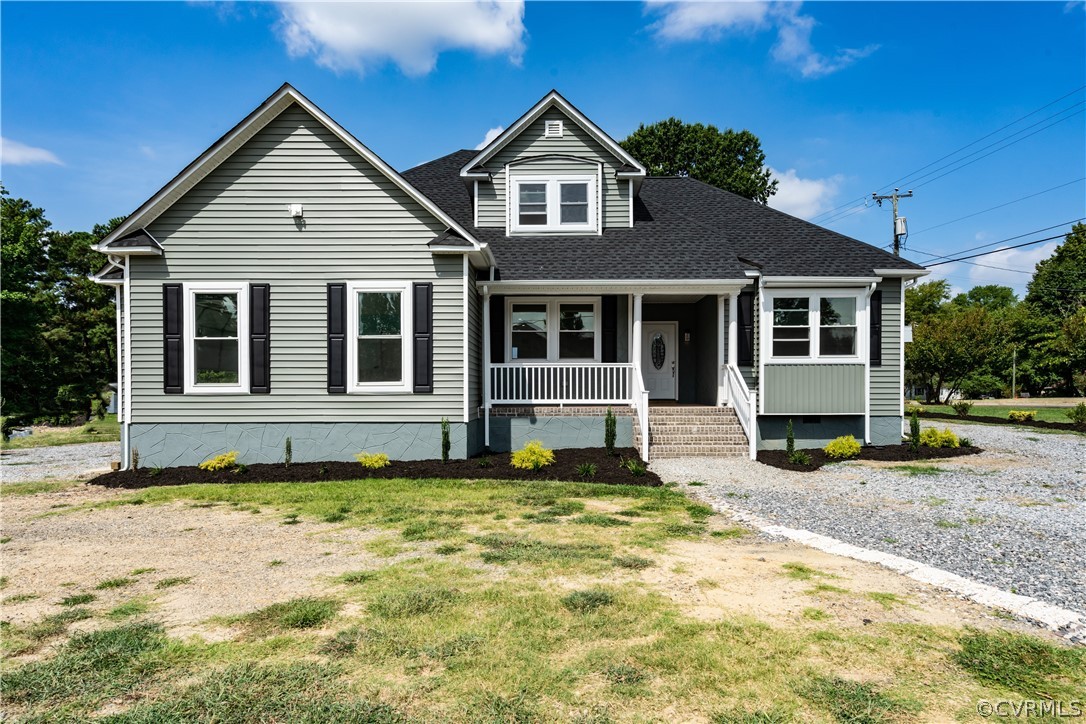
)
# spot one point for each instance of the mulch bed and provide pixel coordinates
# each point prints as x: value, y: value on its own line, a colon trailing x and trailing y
x: 885, y: 453
x: 1073, y: 426
x: 564, y: 468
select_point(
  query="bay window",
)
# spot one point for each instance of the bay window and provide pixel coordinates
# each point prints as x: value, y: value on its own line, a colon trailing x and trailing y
x: 542, y: 330
x: 821, y: 326
x: 566, y: 203
x: 379, y: 355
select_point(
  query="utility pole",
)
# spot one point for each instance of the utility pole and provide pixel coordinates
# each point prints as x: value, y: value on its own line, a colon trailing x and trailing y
x: 901, y: 229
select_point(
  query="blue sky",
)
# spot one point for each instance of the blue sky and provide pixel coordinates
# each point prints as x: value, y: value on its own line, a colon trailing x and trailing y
x: 104, y: 102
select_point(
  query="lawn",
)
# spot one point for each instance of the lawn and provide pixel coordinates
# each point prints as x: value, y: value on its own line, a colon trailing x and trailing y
x: 1044, y: 414
x: 505, y: 602
x: 104, y: 430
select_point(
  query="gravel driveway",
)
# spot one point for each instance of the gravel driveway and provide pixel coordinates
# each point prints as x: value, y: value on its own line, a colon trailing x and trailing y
x: 57, y: 461
x: 1013, y: 517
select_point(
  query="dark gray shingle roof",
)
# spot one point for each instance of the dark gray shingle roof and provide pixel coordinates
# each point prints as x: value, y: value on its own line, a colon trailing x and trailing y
x: 683, y: 229
x: 137, y: 239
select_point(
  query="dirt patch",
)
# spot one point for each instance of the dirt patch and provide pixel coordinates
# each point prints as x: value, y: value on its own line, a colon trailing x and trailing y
x: 484, y: 467
x: 1072, y: 426
x: 884, y: 453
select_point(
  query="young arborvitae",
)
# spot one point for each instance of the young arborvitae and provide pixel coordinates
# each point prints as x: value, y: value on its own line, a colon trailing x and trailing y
x: 446, y: 442
x: 288, y: 453
x: 914, y: 432
x: 135, y: 458
x: 790, y: 444
x: 609, y: 431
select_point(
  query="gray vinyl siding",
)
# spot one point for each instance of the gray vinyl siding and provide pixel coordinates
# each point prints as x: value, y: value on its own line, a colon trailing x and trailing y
x: 475, y: 349
x: 234, y: 226
x: 750, y: 374
x: 886, y: 383
x: 814, y: 389
x: 576, y: 142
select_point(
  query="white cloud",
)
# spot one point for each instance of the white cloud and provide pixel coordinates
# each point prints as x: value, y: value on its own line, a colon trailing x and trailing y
x: 358, y: 36
x: 686, y: 20
x: 996, y: 268
x: 147, y: 152
x: 14, y: 153
x: 490, y: 136
x: 803, y: 197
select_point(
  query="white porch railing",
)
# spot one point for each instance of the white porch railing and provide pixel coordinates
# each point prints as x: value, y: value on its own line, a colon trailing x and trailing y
x: 744, y: 401
x: 546, y: 383
x: 641, y: 405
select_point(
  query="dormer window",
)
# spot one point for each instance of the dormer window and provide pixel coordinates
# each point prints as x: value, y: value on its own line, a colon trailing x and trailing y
x: 567, y: 203
x: 552, y: 129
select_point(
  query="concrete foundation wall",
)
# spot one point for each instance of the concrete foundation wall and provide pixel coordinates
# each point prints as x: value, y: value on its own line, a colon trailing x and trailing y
x: 885, y: 430
x: 773, y: 430
x: 510, y: 433
x: 174, y: 444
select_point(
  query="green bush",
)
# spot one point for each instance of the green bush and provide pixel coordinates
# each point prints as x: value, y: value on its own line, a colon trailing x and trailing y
x: 962, y: 407
x: 914, y: 430
x: 587, y: 470
x: 226, y: 461
x: 288, y: 453
x: 1022, y: 415
x: 845, y: 447
x: 372, y: 461
x: 609, y: 431
x: 798, y: 457
x: 913, y: 406
x: 446, y: 442
x: 930, y: 437
x: 532, y: 456
x: 790, y: 440
x: 1077, y: 414
x: 635, y: 466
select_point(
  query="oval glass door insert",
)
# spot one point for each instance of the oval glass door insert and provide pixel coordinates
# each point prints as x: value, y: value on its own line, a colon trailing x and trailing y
x: 659, y: 351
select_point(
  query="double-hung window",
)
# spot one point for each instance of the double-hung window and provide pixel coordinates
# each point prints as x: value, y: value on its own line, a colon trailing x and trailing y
x: 217, y: 332
x: 566, y: 203
x: 542, y: 330
x: 379, y: 355
x: 814, y: 326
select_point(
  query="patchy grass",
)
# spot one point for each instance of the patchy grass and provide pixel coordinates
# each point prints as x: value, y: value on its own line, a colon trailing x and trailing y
x: 141, y: 571
x: 854, y: 701
x: 947, y: 524
x: 820, y: 588
x: 914, y: 469
x: 588, y: 600
x: 601, y: 520
x: 173, y: 581
x: 1023, y: 664
x: 814, y: 614
x: 886, y: 600
x: 78, y: 599
x: 104, y: 430
x: 634, y: 563
x: 412, y: 602
x: 13, y: 489
x: 128, y: 609
x: 802, y: 572
x: 504, y: 548
x: 1046, y: 414
x: 111, y: 583
x: 300, y: 613
x: 730, y: 533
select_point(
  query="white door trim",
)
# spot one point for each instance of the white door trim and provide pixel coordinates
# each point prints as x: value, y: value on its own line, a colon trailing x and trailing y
x: 675, y: 336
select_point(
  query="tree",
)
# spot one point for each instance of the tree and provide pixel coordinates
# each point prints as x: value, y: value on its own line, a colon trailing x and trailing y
x: 1058, y: 286
x: 730, y: 160
x: 993, y: 297
x: 949, y: 347
x: 925, y: 300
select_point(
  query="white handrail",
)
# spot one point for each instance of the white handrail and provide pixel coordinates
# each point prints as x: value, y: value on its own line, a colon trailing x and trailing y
x: 744, y: 401
x: 641, y: 404
x: 560, y: 382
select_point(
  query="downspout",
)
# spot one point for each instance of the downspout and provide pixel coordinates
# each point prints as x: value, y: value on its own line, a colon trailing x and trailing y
x: 126, y: 428
x: 867, y: 364
x: 486, y: 363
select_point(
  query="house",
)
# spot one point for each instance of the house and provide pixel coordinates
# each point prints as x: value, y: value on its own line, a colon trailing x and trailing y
x: 288, y: 283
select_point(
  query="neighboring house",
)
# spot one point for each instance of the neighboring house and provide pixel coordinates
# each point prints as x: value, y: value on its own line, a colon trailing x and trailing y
x: 289, y: 283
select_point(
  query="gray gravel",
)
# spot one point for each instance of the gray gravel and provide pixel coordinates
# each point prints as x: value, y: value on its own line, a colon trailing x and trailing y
x: 57, y: 461
x: 1013, y: 517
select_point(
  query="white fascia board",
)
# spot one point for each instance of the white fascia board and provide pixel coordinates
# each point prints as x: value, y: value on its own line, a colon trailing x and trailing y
x: 130, y: 251
x: 902, y: 273
x: 548, y: 101
x: 221, y: 150
x: 814, y: 282
x: 630, y: 286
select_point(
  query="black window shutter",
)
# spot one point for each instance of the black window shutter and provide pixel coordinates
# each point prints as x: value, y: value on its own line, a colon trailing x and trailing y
x: 173, y: 339
x: 609, y: 343
x: 422, y: 306
x: 745, y: 320
x: 337, y: 338
x: 260, y: 338
x: 876, y: 329
x: 497, y: 329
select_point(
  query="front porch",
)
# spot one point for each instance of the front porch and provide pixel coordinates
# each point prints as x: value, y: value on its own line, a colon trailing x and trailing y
x: 557, y: 362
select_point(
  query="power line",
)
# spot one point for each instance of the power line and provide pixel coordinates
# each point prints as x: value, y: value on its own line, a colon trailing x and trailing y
x: 996, y: 251
x: 956, y: 151
x: 1000, y: 206
x: 1001, y: 241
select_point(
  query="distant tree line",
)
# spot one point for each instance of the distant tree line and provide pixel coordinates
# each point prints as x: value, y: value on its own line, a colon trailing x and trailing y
x: 968, y: 343
x: 58, y: 339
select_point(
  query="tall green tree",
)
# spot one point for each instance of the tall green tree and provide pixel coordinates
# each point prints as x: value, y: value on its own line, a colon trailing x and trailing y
x: 730, y: 160
x: 993, y: 297
x: 925, y: 300
x: 1058, y: 286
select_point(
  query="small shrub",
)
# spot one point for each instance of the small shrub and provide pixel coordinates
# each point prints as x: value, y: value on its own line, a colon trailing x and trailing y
x: 587, y: 470
x: 532, y: 456
x: 635, y: 466
x: 446, y: 442
x: 962, y: 408
x: 1077, y: 414
x: 914, y: 431
x: 799, y: 457
x: 790, y: 440
x: 588, y: 600
x: 372, y: 461
x: 930, y: 437
x: 288, y: 453
x: 966, y: 442
x: 913, y: 406
x: 610, y: 425
x: 845, y: 447
x: 485, y: 462
x: 226, y: 461
x: 135, y: 458
x: 1022, y: 415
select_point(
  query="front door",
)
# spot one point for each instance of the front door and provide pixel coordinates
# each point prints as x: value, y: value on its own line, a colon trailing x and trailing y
x: 659, y: 359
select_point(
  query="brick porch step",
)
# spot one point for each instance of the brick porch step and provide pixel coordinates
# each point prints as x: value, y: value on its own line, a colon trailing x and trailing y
x: 694, y: 431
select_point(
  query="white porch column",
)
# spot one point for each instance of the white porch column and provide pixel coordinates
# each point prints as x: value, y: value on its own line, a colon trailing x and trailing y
x: 733, y: 334
x: 635, y: 358
x: 486, y: 367
x: 721, y: 359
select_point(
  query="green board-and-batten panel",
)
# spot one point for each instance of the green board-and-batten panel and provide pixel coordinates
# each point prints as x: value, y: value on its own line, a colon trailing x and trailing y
x: 887, y: 386
x: 813, y: 389
x: 358, y: 225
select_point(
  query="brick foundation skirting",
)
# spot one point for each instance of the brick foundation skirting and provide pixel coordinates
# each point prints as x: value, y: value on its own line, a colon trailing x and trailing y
x: 566, y: 411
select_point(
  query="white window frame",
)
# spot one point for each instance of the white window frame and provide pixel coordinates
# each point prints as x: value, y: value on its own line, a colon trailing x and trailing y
x: 814, y: 323
x: 241, y: 289
x: 406, y: 337
x: 553, y: 319
x: 554, y: 203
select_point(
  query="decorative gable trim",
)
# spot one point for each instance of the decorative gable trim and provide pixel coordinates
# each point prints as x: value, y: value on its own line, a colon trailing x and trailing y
x: 475, y: 168
x: 226, y: 146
